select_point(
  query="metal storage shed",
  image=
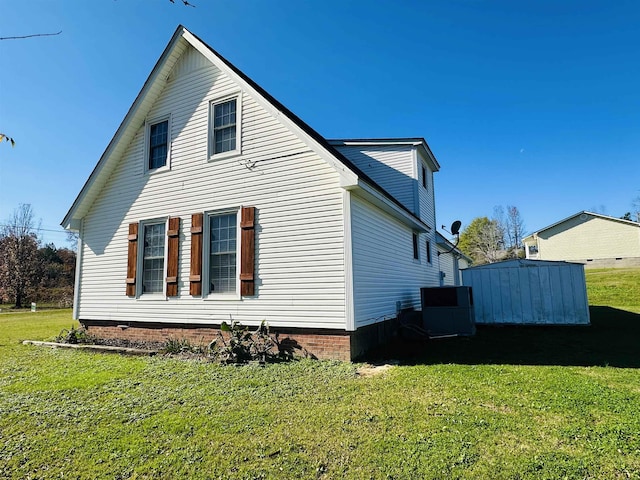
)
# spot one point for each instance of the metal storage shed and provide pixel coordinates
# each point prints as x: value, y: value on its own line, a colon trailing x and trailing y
x: 529, y: 292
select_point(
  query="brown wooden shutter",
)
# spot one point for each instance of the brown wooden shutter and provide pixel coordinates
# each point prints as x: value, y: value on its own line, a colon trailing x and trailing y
x: 247, y: 251
x: 195, y: 278
x: 173, y: 235
x: 132, y: 259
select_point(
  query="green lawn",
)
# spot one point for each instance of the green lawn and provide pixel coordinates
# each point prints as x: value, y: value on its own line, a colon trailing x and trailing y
x: 614, y: 287
x: 509, y: 403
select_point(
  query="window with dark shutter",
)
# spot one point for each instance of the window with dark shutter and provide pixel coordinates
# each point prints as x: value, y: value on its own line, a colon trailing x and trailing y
x: 195, y: 277
x: 247, y: 251
x: 173, y: 235
x: 132, y: 259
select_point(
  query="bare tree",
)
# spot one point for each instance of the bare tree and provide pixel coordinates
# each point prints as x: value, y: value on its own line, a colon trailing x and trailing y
x: 19, y: 261
x: 635, y: 203
x: 514, y: 230
x: 72, y: 240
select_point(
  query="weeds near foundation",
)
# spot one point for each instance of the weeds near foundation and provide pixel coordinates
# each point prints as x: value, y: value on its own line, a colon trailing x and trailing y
x: 179, y: 345
x: 74, y: 336
x: 237, y: 344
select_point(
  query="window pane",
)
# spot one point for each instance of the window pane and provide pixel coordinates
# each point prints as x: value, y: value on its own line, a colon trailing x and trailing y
x: 153, y: 258
x: 158, y: 139
x: 222, y: 254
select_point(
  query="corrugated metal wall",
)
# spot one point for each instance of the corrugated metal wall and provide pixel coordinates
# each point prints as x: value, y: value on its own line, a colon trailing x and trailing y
x: 529, y: 293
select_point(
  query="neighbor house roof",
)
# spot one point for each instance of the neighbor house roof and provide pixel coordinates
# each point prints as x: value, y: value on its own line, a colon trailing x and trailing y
x: 583, y: 212
x: 351, y: 177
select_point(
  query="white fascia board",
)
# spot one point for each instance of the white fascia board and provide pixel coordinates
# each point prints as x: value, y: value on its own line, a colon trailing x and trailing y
x: 429, y: 156
x: 372, y: 195
x: 347, y: 176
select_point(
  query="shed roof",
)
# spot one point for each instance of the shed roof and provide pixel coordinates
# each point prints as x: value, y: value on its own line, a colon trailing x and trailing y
x: 522, y: 262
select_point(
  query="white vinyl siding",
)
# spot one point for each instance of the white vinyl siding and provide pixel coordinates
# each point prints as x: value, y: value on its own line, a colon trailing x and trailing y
x: 446, y: 262
x: 426, y: 196
x: 384, y: 271
x: 390, y: 166
x: 299, y: 225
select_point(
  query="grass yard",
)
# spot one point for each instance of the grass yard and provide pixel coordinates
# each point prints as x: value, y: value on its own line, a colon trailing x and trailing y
x: 618, y: 288
x: 507, y: 404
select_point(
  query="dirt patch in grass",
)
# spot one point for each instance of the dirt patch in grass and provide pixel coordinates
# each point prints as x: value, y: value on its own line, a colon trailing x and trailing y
x: 369, y: 370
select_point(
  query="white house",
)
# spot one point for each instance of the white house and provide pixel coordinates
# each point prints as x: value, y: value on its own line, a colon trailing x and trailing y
x: 213, y: 202
x: 590, y: 238
x: 452, y: 261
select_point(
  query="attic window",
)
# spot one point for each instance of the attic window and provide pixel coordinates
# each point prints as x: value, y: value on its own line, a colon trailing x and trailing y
x: 158, y: 145
x: 224, y: 126
x: 424, y: 177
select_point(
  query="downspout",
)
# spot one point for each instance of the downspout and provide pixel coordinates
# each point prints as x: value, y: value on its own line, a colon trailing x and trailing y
x: 350, y: 324
x: 76, y: 286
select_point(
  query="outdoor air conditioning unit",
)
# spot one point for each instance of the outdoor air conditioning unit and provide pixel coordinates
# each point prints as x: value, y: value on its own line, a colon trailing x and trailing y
x: 447, y: 311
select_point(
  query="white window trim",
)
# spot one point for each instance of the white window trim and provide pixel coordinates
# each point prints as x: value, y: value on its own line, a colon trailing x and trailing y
x: 210, y: 143
x: 147, y: 139
x: 206, y: 241
x: 140, y: 295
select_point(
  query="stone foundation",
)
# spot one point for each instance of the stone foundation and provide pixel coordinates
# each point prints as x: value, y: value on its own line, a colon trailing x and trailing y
x: 318, y: 343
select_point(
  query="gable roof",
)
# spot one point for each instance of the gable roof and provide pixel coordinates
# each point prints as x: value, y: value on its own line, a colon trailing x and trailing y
x: 583, y: 212
x: 351, y: 177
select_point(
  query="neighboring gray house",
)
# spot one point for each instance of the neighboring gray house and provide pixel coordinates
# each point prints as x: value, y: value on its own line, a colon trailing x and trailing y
x: 213, y: 202
x: 590, y: 238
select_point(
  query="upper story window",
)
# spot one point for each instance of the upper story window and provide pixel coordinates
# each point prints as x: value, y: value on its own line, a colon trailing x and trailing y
x: 224, y: 126
x: 424, y: 177
x: 415, y: 246
x: 157, y: 145
x: 153, y: 252
x: 428, y: 251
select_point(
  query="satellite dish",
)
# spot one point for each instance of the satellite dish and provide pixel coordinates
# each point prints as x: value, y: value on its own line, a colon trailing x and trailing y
x: 455, y: 227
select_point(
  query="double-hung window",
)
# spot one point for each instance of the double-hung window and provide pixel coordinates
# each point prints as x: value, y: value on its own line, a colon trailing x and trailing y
x: 157, y: 145
x: 224, y: 127
x: 153, y: 253
x: 222, y: 253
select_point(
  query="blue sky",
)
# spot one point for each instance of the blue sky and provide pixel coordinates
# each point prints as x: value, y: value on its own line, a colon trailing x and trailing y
x: 528, y: 103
